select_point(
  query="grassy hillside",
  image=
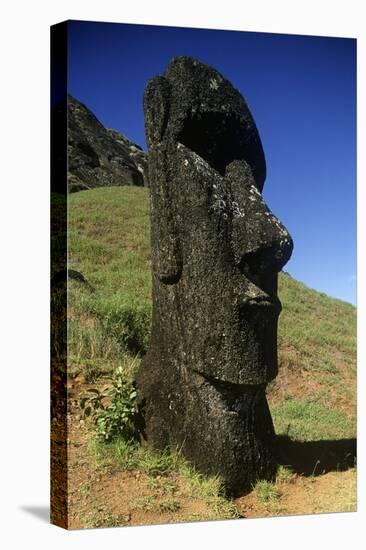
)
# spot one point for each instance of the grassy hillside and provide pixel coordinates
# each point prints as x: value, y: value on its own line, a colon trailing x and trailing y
x: 313, y: 398
x: 109, y: 242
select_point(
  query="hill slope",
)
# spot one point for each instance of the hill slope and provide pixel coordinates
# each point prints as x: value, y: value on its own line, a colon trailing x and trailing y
x: 99, y: 157
x: 312, y: 400
x: 109, y: 242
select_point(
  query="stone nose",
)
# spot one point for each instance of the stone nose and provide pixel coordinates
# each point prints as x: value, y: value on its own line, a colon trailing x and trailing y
x: 266, y: 245
x: 260, y: 242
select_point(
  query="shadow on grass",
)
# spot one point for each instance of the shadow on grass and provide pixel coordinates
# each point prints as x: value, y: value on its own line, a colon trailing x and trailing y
x: 312, y: 458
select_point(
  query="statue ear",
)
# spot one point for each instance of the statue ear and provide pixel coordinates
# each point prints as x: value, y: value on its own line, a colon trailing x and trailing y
x: 166, y: 245
x: 156, y: 109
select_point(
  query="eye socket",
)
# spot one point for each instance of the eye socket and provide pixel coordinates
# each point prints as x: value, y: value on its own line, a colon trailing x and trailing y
x: 220, y: 139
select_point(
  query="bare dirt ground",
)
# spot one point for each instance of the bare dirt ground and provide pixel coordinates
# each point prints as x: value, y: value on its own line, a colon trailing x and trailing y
x: 101, y: 494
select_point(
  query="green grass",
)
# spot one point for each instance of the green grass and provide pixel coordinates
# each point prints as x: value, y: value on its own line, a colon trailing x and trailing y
x: 310, y: 421
x: 109, y: 326
x: 320, y: 331
x: 130, y: 456
x: 168, y: 477
x: 109, y: 242
x: 269, y: 495
x: 199, y: 485
x: 284, y: 475
x: 266, y: 491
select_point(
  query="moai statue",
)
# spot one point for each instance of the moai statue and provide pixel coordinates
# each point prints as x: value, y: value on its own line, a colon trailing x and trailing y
x: 216, y: 253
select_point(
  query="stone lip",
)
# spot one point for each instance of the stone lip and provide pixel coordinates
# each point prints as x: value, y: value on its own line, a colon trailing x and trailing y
x: 271, y: 304
x: 99, y: 157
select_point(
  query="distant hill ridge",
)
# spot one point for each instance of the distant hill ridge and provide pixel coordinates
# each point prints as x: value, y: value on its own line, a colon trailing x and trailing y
x: 98, y: 156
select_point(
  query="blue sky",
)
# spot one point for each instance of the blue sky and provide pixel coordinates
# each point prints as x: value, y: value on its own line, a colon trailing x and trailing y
x: 301, y: 91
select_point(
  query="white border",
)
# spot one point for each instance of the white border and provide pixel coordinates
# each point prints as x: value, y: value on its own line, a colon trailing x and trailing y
x: 24, y: 272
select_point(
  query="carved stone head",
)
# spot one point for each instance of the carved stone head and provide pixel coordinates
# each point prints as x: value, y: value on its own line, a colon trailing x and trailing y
x: 216, y: 253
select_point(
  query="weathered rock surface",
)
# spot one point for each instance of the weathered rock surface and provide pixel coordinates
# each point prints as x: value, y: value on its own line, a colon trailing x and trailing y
x: 99, y: 157
x: 216, y: 252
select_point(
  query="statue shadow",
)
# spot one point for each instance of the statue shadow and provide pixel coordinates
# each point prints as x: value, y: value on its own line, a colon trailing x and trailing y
x: 313, y: 458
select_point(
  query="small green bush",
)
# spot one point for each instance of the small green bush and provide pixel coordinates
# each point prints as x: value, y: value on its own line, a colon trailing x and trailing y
x: 113, y: 410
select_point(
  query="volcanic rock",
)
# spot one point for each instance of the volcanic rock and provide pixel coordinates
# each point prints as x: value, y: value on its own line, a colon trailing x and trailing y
x: 216, y: 253
x: 99, y: 157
